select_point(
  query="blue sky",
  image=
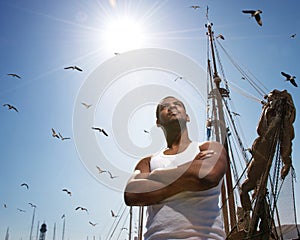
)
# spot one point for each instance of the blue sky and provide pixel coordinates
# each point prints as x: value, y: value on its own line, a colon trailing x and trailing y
x: 38, y: 39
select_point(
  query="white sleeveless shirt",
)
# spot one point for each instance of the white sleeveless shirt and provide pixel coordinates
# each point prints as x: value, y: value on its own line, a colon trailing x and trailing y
x: 187, y: 215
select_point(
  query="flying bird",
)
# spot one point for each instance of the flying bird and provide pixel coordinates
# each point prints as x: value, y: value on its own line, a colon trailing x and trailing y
x: 290, y: 78
x: 86, y: 105
x: 113, y: 214
x: 54, y: 134
x: 116, y: 53
x: 32, y: 205
x: 63, y: 138
x: 235, y: 114
x: 195, y: 6
x: 4, y: 205
x: 21, y: 210
x: 293, y: 35
x: 10, y: 107
x: 255, y: 14
x: 25, y: 185
x: 14, y: 75
x: 81, y: 208
x: 110, y: 175
x: 145, y: 131
x: 221, y: 36
x: 93, y: 224
x: 100, y: 170
x: 100, y: 130
x: 178, y: 77
x: 74, y: 68
x: 67, y: 191
x: 63, y: 216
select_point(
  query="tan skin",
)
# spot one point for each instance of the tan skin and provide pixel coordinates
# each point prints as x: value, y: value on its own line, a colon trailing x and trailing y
x: 151, y: 187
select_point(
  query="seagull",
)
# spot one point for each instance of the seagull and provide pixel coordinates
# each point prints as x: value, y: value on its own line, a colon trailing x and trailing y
x: 86, y: 105
x: 14, y: 75
x: 195, y: 6
x: 290, y: 78
x: 54, y: 134
x: 63, y: 138
x: 21, y: 210
x: 10, y: 107
x: 100, y: 170
x: 93, y: 224
x: 110, y: 175
x: 235, y: 114
x: 255, y: 14
x: 293, y: 35
x: 67, y: 191
x: 32, y: 205
x: 221, y: 36
x: 100, y: 130
x: 178, y: 77
x: 81, y: 208
x: 113, y: 214
x: 25, y: 184
x: 74, y: 68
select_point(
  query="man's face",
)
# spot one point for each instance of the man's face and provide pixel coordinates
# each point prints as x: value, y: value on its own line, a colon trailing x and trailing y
x: 171, y: 110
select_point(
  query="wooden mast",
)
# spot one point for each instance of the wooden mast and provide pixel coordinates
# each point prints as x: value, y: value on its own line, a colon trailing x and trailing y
x: 218, y: 94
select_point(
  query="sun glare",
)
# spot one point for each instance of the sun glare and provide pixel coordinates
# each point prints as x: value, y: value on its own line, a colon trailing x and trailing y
x: 123, y: 34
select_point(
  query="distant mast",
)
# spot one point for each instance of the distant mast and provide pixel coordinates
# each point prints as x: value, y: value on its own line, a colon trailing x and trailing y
x: 43, y: 231
x: 7, y: 234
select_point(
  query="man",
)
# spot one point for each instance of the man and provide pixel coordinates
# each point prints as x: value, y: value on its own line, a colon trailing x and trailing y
x: 180, y: 184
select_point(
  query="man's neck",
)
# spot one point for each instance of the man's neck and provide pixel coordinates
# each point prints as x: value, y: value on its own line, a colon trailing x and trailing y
x: 177, y: 141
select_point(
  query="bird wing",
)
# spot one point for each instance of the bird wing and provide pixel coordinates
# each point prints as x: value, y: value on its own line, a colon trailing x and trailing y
x: 77, y: 208
x: 285, y: 75
x: 95, y: 128
x: 77, y: 68
x: 104, y: 133
x: 25, y: 184
x: 258, y: 19
x: 248, y: 11
x: 14, y: 108
x: 69, y: 67
x: 294, y: 82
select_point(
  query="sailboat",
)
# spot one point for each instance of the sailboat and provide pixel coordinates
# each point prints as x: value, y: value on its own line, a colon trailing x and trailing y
x: 266, y: 164
x: 251, y: 192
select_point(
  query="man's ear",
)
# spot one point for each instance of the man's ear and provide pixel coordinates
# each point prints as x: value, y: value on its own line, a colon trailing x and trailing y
x: 188, y: 118
x: 158, y: 123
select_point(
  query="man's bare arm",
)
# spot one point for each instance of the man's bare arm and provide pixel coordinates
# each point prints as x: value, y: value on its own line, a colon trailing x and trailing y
x: 202, y: 173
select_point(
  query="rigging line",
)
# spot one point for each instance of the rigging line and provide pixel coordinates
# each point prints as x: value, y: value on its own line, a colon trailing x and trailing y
x: 235, y: 131
x: 252, y: 83
x: 118, y: 221
x: 244, y: 93
x: 221, y: 66
x: 293, y: 173
x: 120, y: 232
x: 245, y: 169
x: 241, y: 70
x: 233, y: 162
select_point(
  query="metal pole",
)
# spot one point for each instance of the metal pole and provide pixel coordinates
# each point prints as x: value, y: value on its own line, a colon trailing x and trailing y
x: 30, y: 235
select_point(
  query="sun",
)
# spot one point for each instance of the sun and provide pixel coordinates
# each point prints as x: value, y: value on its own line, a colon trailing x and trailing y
x: 123, y: 34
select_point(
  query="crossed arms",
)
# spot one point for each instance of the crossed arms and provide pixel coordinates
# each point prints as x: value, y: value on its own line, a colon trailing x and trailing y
x: 202, y: 173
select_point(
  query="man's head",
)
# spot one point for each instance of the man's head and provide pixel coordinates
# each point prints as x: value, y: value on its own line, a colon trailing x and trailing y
x: 171, y: 109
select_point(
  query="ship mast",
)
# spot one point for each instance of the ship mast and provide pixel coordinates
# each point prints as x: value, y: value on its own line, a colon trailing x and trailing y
x: 217, y: 95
